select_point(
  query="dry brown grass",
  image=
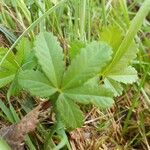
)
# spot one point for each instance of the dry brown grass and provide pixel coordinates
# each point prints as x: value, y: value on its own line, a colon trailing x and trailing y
x: 104, y: 131
x: 3, y: 41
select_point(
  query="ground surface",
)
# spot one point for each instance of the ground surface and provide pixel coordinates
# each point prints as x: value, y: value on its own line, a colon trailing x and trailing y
x: 126, y: 125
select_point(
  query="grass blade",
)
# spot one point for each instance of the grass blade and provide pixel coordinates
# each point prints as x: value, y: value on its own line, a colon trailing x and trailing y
x: 131, y: 33
x: 31, y: 27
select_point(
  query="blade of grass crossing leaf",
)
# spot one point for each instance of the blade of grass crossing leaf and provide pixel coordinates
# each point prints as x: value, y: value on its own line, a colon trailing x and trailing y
x: 114, y: 86
x: 131, y: 33
x: 32, y: 26
x: 6, y: 78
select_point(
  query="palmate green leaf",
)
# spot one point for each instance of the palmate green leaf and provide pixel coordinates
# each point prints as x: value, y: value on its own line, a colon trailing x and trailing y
x: 24, y: 49
x: 69, y: 112
x: 127, y: 57
x: 87, y: 64
x: 14, y: 87
x: 8, y: 68
x: 25, y: 59
x: 126, y: 75
x: 75, y: 48
x: 121, y: 71
x: 50, y: 57
x: 25, y: 56
x: 113, y: 35
x: 127, y: 42
x: 36, y: 83
x: 114, y: 86
x: 98, y: 95
x: 12, y: 63
x: 93, y: 82
x: 5, y: 78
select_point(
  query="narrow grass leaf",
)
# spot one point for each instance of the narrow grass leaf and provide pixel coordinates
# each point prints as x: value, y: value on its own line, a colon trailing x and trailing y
x: 6, y: 111
x: 131, y: 33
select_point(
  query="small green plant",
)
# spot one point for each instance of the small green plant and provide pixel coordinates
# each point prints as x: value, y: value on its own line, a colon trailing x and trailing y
x: 23, y: 58
x: 96, y: 71
x: 65, y: 87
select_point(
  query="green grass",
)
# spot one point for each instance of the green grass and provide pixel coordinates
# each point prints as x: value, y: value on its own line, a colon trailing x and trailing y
x: 84, y: 21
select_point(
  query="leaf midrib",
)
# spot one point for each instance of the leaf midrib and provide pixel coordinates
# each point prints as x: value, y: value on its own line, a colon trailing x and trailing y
x: 51, y: 61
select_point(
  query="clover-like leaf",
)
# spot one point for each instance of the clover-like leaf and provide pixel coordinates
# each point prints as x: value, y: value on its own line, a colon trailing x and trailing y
x: 126, y: 75
x: 98, y: 95
x: 14, y: 62
x: 87, y: 64
x: 107, y: 35
x: 36, y: 83
x: 114, y: 86
x: 69, y: 112
x: 25, y: 56
x: 120, y: 71
x: 50, y: 57
x: 75, y: 48
x: 8, y: 67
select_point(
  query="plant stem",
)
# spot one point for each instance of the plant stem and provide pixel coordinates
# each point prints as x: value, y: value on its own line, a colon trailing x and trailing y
x: 82, y: 19
x: 104, y: 12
